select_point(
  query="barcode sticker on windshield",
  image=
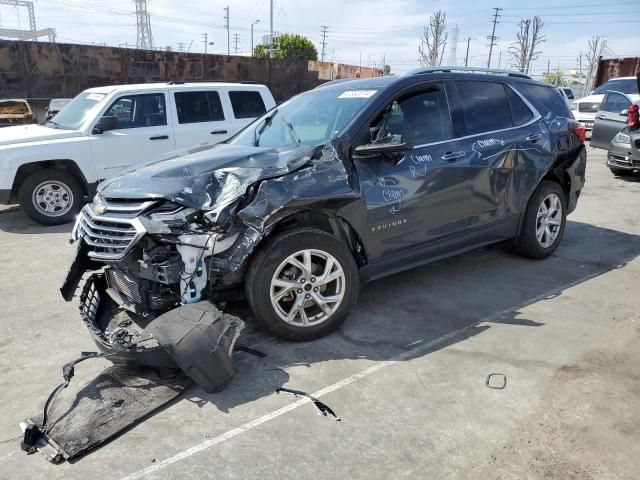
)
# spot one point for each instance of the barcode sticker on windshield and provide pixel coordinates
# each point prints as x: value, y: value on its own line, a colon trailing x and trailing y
x: 358, y: 94
x: 95, y: 96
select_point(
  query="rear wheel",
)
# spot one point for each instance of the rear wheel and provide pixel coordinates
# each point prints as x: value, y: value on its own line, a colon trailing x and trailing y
x: 50, y: 196
x: 302, y: 284
x: 621, y: 172
x: 544, y: 221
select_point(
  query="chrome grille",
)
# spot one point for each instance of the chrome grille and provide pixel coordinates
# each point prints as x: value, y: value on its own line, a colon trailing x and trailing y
x: 113, y: 231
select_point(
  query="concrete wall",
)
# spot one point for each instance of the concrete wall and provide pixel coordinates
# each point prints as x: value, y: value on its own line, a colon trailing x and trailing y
x: 614, y: 68
x: 331, y: 71
x: 45, y: 70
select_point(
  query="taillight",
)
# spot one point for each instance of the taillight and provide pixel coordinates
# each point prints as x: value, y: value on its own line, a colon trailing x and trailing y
x: 580, y: 132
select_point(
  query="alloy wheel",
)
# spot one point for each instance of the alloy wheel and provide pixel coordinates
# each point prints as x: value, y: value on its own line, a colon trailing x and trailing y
x: 549, y: 220
x: 307, y: 288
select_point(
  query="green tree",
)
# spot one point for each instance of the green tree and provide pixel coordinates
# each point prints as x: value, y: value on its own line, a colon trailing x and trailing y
x: 291, y: 47
x: 553, y: 78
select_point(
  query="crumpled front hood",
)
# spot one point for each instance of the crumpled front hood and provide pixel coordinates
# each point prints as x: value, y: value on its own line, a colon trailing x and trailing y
x: 207, y: 177
x: 33, y: 133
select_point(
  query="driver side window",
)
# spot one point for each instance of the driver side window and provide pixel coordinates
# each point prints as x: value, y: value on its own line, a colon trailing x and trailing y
x: 136, y: 111
x: 614, y: 102
x: 421, y: 117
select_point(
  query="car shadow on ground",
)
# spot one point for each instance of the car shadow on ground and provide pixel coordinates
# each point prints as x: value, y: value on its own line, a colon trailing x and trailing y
x: 412, y: 314
x: 13, y: 220
x: 428, y: 308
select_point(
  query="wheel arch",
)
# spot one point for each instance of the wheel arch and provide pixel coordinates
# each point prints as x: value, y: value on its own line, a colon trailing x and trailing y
x: 324, y: 220
x: 66, y: 165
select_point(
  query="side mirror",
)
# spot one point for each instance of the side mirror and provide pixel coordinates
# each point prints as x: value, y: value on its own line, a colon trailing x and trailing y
x: 391, y: 144
x: 624, y: 113
x: 105, y: 124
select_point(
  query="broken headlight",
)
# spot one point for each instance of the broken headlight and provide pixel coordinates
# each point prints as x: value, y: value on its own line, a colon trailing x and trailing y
x: 168, y: 218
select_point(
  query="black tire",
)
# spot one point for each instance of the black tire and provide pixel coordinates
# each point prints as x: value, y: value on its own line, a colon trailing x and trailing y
x: 621, y: 172
x: 527, y: 243
x: 268, y: 259
x: 27, y: 189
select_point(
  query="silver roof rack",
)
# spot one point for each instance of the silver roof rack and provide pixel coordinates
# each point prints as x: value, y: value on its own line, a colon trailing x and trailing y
x: 488, y: 71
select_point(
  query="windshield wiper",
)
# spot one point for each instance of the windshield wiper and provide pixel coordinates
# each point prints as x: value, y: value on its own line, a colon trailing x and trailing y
x: 292, y: 132
x: 263, y: 127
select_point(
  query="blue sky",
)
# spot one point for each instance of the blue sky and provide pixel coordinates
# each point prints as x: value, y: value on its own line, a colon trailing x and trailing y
x: 359, y: 31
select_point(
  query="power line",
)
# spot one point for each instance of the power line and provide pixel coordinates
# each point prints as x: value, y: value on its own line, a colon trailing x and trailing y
x: 324, y: 40
x: 492, y: 38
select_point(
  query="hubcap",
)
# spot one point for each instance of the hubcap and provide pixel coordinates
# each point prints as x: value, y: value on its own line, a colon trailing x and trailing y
x: 549, y: 220
x: 52, y: 198
x: 307, y: 288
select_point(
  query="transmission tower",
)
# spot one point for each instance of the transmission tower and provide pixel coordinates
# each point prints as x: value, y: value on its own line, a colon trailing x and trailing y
x: 145, y: 37
x: 235, y: 43
x: 492, y: 38
x: 453, y: 49
x: 32, y: 33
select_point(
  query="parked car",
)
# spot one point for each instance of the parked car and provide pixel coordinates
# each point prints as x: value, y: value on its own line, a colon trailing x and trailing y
x: 55, y: 105
x: 50, y: 168
x: 352, y: 181
x: 585, y: 109
x: 610, y: 133
x: 16, y: 111
x: 567, y: 94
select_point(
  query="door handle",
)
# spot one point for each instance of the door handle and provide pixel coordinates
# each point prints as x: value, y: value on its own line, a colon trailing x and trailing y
x: 451, y: 156
x: 534, y: 137
x: 218, y: 132
x: 601, y: 117
x: 160, y: 137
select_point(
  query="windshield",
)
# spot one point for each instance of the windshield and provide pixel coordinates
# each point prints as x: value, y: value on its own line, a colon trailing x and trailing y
x: 58, y: 103
x: 624, y: 86
x: 312, y: 118
x: 77, y: 111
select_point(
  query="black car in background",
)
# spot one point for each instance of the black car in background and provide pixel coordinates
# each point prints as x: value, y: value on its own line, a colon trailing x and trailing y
x: 347, y: 183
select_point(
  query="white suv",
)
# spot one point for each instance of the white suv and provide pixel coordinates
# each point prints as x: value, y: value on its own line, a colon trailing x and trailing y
x: 49, y: 169
x: 586, y: 108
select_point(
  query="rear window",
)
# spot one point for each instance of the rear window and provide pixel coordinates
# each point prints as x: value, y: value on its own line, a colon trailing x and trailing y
x: 628, y: 85
x: 485, y: 106
x: 197, y: 107
x: 569, y: 93
x: 546, y: 99
x: 519, y: 110
x: 247, y: 104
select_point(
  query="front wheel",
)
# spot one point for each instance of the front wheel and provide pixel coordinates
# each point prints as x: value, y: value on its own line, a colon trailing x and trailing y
x: 50, y: 196
x: 544, y: 221
x: 302, y: 284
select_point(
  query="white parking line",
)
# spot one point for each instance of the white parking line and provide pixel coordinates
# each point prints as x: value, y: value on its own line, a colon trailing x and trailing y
x: 422, y: 348
x: 292, y: 406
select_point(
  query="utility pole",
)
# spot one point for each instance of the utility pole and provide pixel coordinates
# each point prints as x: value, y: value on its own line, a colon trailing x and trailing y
x: 235, y: 43
x: 205, y: 37
x: 252, y: 25
x: 466, y: 56
x: 226, y: 17
x: 500, y: 59
x: 324, y: 41
x: 181, y: 47
x: 492, y: 38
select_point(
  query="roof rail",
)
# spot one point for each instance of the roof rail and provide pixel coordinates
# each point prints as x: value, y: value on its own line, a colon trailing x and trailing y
x: 489, y: 71
x: 183, y: 82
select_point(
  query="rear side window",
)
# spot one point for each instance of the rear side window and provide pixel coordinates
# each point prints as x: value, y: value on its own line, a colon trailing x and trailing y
x: 247, y: 104
x: 545, y: 99
x: 569, y: 93
x: 485, y: 106
x: 614, y: 102
x: 196, y: 107
x: 519, y: 110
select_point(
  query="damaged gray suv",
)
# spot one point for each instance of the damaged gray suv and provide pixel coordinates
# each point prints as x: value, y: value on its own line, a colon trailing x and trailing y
x: 347, y: 183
